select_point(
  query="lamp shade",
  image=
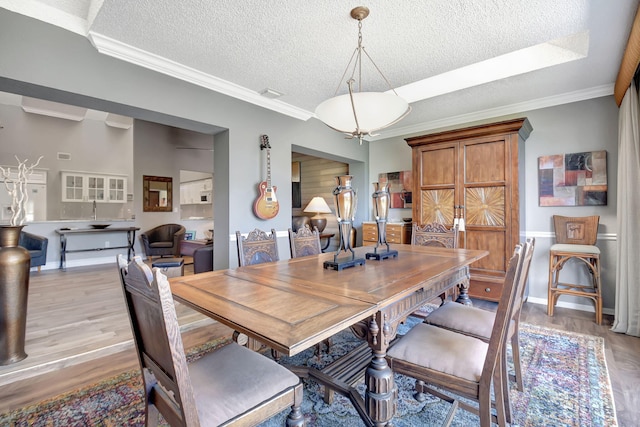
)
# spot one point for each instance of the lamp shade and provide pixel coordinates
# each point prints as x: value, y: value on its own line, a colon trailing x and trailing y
x: 375, y: 111
x: 318, y: 205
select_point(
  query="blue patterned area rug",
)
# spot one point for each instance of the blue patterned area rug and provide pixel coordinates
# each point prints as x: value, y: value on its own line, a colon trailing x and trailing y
x: 565, y: 377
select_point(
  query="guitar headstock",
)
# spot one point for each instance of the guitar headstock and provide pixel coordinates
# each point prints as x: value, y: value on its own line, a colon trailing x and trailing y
x: 264, y: 142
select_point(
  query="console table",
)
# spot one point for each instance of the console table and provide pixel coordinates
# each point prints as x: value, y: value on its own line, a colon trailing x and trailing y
x: 63, y: 233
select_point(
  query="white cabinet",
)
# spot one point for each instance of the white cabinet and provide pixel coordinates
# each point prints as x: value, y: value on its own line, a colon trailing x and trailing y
x: 196, y: 192
x: 86, y: 187
x: 117, y: 189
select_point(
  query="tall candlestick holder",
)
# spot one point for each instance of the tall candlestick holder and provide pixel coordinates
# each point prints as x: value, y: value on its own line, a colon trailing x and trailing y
x: 381, y: 198
x: 346, y: 201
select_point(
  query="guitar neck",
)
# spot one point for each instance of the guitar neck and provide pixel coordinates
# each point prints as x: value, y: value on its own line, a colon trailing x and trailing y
x: 268, y: 168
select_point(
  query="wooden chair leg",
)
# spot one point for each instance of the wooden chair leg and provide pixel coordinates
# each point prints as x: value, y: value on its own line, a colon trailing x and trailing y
x: 550, y: 302
x: 515, y: 351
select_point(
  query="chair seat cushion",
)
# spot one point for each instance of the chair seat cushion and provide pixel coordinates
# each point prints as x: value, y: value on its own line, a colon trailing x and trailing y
x: 232, y: 380
x: 161, y: 244
x: 582, y: 249
x: 441, y: 350
x: 457, y: 317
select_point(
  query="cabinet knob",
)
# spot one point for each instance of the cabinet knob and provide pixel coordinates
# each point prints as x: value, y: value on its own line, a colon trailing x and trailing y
x: 487, y: 289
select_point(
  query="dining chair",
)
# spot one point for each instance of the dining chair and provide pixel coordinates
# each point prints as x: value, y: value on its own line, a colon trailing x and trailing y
x: 304, y: 242
x: 478, y: 323
x: 575, y: 240
x: 436, y: 234
x: 257, y: 247
x: 231, y: 385
x: 460, y: 365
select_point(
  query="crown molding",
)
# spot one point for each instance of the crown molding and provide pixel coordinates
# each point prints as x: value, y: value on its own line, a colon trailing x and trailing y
x: 535, y: 104
x: 124, y: 52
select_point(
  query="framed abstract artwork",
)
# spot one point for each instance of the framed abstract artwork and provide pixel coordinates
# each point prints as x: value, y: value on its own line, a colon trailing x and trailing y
x: 575, y: 179
x: 400, y: 188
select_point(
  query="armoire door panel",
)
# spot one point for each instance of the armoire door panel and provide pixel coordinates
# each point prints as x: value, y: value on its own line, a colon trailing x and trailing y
x: 438, y: 167
x: 485, y: 206
x: 437, y: 206
x: 485, y: 162
x: 488, y: 240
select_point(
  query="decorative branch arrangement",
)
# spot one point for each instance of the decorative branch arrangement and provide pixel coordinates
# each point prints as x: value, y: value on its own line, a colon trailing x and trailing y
x: 17, y: 188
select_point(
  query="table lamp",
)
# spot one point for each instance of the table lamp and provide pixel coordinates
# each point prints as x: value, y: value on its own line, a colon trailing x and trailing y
x: 319, y: 206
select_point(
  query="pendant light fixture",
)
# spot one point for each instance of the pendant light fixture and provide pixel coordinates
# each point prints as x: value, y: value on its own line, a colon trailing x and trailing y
x: 358, y: 114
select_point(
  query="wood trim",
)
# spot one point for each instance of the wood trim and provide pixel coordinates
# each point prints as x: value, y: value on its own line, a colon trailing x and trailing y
x: 630, y: 61
x: 522, y: 126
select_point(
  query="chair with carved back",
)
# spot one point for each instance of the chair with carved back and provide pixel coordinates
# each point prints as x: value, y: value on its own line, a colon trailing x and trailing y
x: 231, y: 385
x: 460, y: 365
x: 257, y: 247
x: 478, y: 323
x: 304, y: 242
x: 436, y: 234
x: 575, y: 244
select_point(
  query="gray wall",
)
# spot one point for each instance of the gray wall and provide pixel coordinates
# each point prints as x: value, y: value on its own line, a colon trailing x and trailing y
x: 93, y: 147
x: 581, y: 126
x: 42, y: 61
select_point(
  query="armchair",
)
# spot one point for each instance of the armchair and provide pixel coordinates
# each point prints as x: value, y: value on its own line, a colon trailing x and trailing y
x: 163, y: 240
x: 37, y: 247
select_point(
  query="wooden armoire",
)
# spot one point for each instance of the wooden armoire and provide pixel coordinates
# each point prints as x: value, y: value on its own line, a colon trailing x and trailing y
x: 475, y: 173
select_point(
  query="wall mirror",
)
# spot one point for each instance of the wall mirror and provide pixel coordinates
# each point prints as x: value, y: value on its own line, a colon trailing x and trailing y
x: 158, y: 193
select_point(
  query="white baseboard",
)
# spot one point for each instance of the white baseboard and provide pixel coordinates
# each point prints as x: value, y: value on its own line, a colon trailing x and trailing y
x: 571, y: 305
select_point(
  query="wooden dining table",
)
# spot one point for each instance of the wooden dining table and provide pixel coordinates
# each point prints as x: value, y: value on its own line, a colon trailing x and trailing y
x: 294, y: 304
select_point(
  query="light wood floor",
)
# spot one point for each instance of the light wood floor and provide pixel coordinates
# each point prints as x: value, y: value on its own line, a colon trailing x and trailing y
x: 78, y: 333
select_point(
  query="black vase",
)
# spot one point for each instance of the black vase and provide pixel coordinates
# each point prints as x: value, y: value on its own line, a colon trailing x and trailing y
x: 14, y: 286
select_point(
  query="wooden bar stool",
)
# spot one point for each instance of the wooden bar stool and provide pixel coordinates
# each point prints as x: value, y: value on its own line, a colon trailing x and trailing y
x: 575, y: 239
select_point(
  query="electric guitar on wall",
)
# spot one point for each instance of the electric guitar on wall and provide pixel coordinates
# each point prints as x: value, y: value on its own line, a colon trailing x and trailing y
x: 266, y: 205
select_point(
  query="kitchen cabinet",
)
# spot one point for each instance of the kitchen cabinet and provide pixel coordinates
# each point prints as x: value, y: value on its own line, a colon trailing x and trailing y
x: 87, y: 187
x: 196, y: 192
x: 477, y: 174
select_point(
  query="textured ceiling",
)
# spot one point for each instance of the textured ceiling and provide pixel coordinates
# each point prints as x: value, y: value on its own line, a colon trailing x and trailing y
x: 301, y: 49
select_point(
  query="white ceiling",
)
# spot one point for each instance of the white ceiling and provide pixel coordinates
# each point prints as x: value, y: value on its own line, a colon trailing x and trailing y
x: 301, y: 49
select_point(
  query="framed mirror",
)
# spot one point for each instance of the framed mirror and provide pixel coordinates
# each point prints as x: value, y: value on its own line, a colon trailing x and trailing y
x: 157, y: 194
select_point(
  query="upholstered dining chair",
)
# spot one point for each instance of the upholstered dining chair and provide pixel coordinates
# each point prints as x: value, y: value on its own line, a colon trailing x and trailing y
x: 231, y: 385
x: 436, y: 234
x: 460, y: 365
x: 163, y: 240
x: 304, y: 242
x: 257, y: 247
x: 478, y: 323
